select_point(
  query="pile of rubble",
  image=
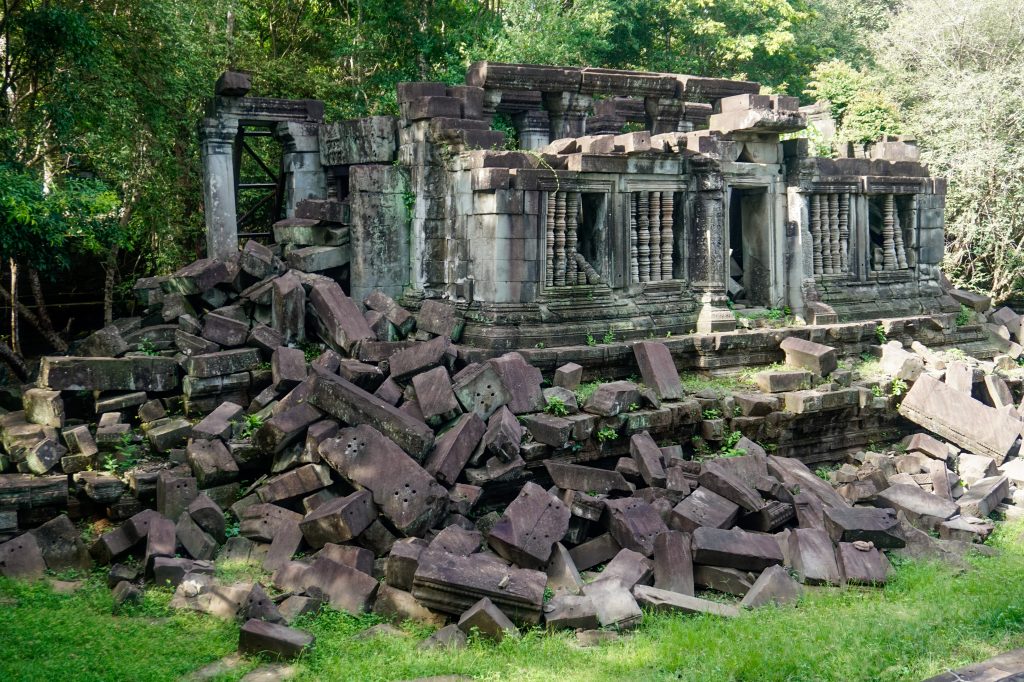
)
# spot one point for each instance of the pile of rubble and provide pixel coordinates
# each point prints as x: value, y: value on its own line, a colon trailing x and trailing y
x: 384, y: 474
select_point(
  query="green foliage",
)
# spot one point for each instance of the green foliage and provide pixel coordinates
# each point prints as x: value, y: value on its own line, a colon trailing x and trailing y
x: 606, y: 433
x: 633, y: 407
x: 609, y: 337
x: 251, y: 423
x: 146, y: 347
x: 964, y: 316
x: 556, y: 406
x: 898, y: 388
x: 311, y: 350
x: 591, y: 341
x: 956, y: 354
x: 712, y: 413
x: 838, y: 83
x: 824, y: 473
x: 585, y: 390
x: 877, y: 391
x: 880, y: 334
x: 870, y: 116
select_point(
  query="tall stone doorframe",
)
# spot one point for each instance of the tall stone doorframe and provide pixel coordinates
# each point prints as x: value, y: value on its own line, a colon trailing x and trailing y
x: 230, y: 113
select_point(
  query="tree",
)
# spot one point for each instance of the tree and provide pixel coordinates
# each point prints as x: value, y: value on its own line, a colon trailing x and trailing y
x: 958, y: 70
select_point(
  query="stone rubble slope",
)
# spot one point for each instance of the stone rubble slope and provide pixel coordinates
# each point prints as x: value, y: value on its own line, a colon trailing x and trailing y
x: 385, y: 474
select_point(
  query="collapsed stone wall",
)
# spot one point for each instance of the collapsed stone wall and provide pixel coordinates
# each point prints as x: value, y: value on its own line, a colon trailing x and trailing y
x: 468, y: 486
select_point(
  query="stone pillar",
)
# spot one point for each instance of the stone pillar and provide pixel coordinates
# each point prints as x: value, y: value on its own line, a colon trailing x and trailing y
x: 707, y: 250
x: 534, y: 128
x: 304, y: 175
x: 664, y: 114
x: 216, y: 142
x: 568, y: 113
x: 492, y: 98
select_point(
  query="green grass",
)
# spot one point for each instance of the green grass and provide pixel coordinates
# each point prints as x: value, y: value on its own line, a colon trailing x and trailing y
x: 927, y: 620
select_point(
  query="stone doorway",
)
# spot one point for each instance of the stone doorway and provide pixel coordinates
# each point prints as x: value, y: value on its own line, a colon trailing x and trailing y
x: 750, y: 235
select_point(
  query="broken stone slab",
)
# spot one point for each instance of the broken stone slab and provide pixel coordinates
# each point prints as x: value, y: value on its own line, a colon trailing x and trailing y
x: 718, y: 477
x: 586, y: 479
x: 928, y: 445
x: 344, y: 587
x: 899, y: 363
x: 288, y: 308
x: 816, y: 358
x: 773, y: 586
x: 285, y: 427
x: 488, y: 620
x: 136, y: 373
x: 966, y: 529
x: 419, y: 357
x: 529, y: 527
x: 403, y: 491
x: 568, y: 376
x: 922, y: 508
x: 647, y: 455
x: 961, y: 377
x: 615, y: 604
x: 984, y: 496
x: 225, y: 330
x: 522, y: 380
x: 813, y: 556
x: 209, y: 516
x: 725, y: 580
x: 339, y: 520
x: 549, y: 429
x: 400, y: 606
x: 295, y: 483
x: 570, y: 612
x: 792, y: 472
x: 673, y: 562
x: 341, y: 324
x: 451, y: 584
x: 563, y: 577
x: 862, y: 564
x: 222, y: 362
x: 61, y: 545
x: 197, y: 277
x: 22, y: 558
x: 665, y: 601
x: 273, y: 639
x: 43, y: 456
x: 211, y: 463
x: 704, y: 508
x: 960, y: 419
x: 260, y: 606
x: 774, y: 381
x: 287, y: 368
x: 434, y: 394
x: 977, y: 302
x: 612, y: 398
x: 174, y: 493
x: 735, y: 549
x: 43, y: 407
x: 197, y: 542
x: 403, y: 320
x: 658, y: 369
x: 877, y: 526
x: 24, y: 491
x: 454, y: 447
x: 593, y: 552
x: 480, y: 389
x: 352, y: 405
x: 504, y: 435
x: 999, y: 395
x: 166, y: 435
x: 634, y: 524
x: 403, y: 561
x: 442, y: 319
x: 100, y: 487
x: 628, y: 568
x: 448, y: 637
x: 263, y: 521
x: 161, y: 540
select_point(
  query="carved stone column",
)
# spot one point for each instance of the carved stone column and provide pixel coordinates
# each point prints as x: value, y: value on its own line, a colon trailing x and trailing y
x: 815, y: 201
x: 216, y: 138
x: 560, y: 239
x: 568, y: 113
x: 655, y: 223
x: 549, y: 229
x: 492, y: 98
x: 534, y: 128
x: 572, y: 209
x: 667, y: 234
x: 634, y: 236
x: 664, y: 114
x: 706, y: 255
x: 643, y: 236
x: 889, y: 261
x: 844, y: 232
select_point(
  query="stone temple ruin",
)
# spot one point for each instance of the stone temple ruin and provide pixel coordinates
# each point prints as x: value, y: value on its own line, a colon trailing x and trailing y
x: 587, y: 227
x: 449, y: 390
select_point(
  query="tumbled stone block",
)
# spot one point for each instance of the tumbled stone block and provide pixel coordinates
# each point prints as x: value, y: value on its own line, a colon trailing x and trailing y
x: 529, y: 527
x: 735, y: 549
x: 211, y: 462
x: 664, y: 601
x: 339, y: 520
x: 403, y: 491
x: 586, y: 479
x: 612, y: 398
x: 344, y: 587
x: 922, y: 509
x: 634, y: 524
x: 773, y: 586
x: 454, y: 447
x: 816, y: 358
x: 878, y: 526
x: 813, y: 557
x: 862, y: 564
x: 341, y: 324
x: 704, y: 508
x: 137, y: 373
x: 522, y: 380
x: 658, y: 369
x: 277, y: 641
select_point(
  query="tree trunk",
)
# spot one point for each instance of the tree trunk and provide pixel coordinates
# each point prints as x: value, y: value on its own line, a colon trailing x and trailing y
x: 37, y: 294
x: 15, y: 336
x: 21, y: 309
x: 108, y: 285
x: 15, y: 362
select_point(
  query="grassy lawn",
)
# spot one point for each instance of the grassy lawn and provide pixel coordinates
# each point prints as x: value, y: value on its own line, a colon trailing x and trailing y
x: 928, y: 619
